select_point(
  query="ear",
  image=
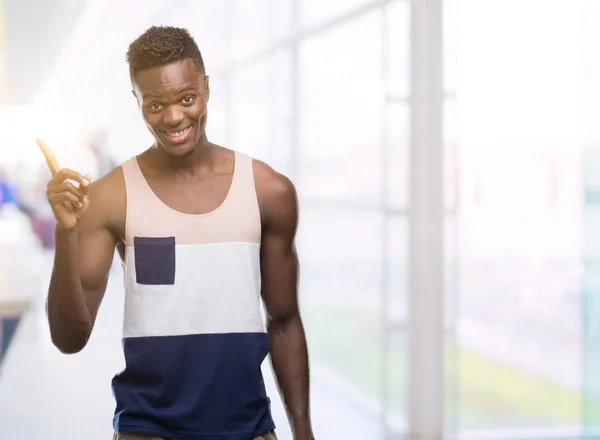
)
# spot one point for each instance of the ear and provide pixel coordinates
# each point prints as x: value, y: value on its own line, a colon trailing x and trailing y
x: 137, y: 97
x: 207, y: 87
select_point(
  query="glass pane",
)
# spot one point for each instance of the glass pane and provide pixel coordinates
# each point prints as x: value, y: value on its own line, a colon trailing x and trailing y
x: 340, y: 114
x: 519, y: 322
x: 520, y: 224
x: 341, y: 293
x: 591, y: 277
x: 451, y: 292
x: 207, y: 22
x: 451, y: 384
x: 451, y: 158
x: 280, y: 111
x: 398, y: 48
x: 397, y: 270
x: 261, y: 110
x: 591, y: 291
x: 451, y: 33
x: 250, y: 109
x: 216, y: 127
x: 591, y: 264
x: 451, y: 270
x: 591, y: 95
x: 280, y: 15
x: 314, y: 11
x: 397, y: 155
x: 498, y: 67
x: 257, y: 24
x: 396, y: 307
x: 396, y: 361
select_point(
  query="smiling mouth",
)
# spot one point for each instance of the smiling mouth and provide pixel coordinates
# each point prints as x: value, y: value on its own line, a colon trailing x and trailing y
x: 178, y: 136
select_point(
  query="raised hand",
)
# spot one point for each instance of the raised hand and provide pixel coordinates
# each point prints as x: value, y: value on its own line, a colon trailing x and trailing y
x: 69, y: 202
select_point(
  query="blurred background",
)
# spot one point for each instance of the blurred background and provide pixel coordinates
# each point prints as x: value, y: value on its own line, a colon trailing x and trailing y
x: 447, y: 159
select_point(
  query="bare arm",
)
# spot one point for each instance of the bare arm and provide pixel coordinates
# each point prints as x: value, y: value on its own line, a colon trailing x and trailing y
x: 279, y: 269
x: 82, y: 261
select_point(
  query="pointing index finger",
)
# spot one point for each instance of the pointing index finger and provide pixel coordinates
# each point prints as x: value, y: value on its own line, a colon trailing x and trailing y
x: 49, y: 156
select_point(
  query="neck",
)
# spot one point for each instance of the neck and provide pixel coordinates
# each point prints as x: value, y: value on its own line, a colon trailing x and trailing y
x: 198, y: 157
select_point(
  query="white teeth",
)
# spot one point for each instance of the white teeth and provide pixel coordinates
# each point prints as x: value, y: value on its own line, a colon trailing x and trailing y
x: 177, y: 133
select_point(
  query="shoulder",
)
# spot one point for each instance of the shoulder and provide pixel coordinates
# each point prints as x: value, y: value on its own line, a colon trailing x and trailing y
x: 108, y: 199
x: 276, y: 194
x: 271, y: 184
x: 109, y: 187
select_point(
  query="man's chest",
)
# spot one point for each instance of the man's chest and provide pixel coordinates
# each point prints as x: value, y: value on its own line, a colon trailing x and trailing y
x: 197, y: 197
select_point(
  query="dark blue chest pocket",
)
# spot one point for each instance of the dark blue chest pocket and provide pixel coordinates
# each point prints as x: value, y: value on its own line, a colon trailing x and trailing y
x: 154, y: 260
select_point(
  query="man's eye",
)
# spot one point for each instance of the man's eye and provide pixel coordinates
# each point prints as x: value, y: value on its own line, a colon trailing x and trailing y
x: 188, y: 100
x: 154, y: 107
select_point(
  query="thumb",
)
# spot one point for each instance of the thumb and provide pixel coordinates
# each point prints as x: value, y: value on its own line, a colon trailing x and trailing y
x: 85, y: 204
x: 86, y: 196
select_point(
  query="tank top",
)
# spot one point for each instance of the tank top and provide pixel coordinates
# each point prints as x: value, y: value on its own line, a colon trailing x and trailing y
x: 193, y: 335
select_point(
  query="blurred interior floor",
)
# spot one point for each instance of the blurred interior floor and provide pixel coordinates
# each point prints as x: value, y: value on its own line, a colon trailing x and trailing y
x: 47, y: 395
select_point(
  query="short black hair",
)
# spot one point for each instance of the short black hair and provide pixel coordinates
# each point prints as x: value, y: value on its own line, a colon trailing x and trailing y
x: 162, y: 45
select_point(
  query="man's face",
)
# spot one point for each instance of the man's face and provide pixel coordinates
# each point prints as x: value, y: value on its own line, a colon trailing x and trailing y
x: 173, y: 101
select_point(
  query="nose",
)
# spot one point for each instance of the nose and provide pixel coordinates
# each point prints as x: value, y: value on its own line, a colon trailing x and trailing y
x: 173, y: 116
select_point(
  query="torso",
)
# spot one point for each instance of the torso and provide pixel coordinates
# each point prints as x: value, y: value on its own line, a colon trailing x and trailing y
x: 195, y: 195
x: 192, y: 330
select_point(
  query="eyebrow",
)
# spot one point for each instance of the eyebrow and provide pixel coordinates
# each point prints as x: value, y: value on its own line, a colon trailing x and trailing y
x: 184, y: 88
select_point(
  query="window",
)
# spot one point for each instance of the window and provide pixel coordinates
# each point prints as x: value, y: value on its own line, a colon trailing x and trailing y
x: 397, y: 159
x: 341, y: 260
x: 313, y: 12
x: 208, y: 24
x: 216, y: 126
x: 341, y: 113
x: 261, y: 106
x: 395, y: 303
x: 398, y: 49
x: 591, y: 278
x: 256, y: 25
x: 250, y: 109
x: 519, y: 320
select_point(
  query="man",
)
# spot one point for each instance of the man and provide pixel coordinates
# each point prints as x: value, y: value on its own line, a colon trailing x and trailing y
x: 203, y: 232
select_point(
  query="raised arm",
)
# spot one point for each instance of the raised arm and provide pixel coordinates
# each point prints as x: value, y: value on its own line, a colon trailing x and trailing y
x: 279, y: 269
x: 84, y: 253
